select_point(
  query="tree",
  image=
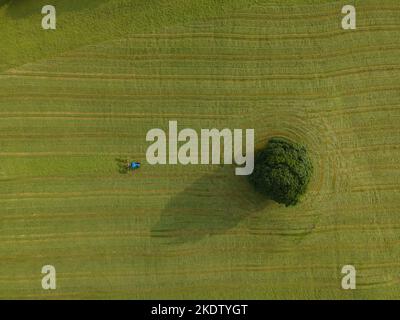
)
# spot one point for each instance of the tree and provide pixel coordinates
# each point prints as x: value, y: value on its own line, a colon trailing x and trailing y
x: 282, y: 171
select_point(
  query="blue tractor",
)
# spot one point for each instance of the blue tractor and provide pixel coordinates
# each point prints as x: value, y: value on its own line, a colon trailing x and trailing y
x: 125, y: 165
x: 134, y: 165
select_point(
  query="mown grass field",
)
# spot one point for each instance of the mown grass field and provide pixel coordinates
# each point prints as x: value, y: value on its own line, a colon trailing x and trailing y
x: 74, y: 99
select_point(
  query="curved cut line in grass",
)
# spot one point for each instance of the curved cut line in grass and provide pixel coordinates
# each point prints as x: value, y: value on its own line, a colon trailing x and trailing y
x: 332, y: 14
x: 257, y: 37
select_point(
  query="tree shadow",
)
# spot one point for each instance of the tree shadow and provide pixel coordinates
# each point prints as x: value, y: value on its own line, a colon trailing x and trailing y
x: 23, y: 8
x: 213, y: 204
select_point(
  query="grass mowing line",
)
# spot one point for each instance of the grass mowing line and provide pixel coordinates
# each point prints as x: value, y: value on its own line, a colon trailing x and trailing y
x: 174, y: 233
x: 242, y: 78
x: 103, y: 115
x: 320, y: 16
x: 361, y: 109
x: 217, y: 252
x: 202, y: 96
x: 265, y: 5
x: 254, y: 37
x: 23, y: 137
x: 271, y: 57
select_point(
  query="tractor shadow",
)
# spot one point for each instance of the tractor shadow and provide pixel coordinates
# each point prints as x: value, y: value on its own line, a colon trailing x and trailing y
x: 23, y: 8
x: 212, y: 205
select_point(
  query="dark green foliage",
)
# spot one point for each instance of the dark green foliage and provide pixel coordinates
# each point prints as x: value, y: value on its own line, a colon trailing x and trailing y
x: 282, y: 171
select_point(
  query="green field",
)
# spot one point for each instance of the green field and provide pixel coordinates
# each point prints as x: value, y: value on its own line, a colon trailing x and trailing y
x: 74, y: 99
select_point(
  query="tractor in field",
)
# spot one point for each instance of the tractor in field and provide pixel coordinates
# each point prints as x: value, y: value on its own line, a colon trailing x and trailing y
x: 134, y: 166
x: 126, y: 165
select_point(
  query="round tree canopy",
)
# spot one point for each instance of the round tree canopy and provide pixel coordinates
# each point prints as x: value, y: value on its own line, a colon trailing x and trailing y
x: 282, y: 171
